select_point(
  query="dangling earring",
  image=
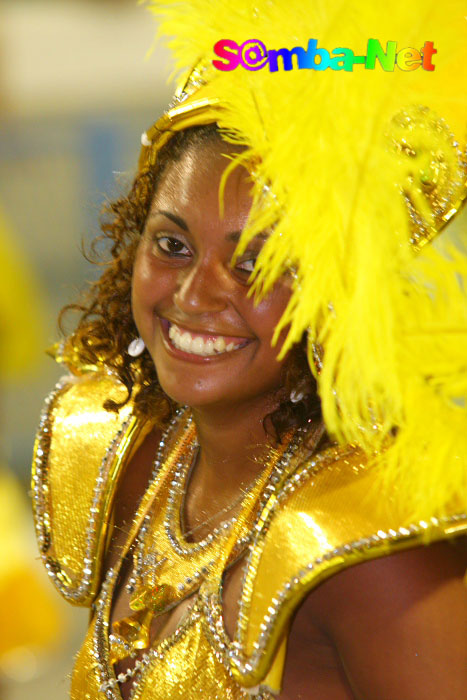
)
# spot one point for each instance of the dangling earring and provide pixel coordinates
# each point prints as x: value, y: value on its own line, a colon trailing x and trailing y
x: 296, y: 396
x: 136, y: 347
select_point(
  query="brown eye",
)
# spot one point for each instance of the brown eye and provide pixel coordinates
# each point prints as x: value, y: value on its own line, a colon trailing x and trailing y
x: 172, y: 247
x: 244, y: 268
x: 246, y: 265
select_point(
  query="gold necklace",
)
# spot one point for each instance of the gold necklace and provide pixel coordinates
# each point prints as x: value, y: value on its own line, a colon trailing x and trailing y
x: 155, y: 585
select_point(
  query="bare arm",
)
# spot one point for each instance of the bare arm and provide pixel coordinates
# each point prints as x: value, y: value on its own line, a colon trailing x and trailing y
x: 399, y: 624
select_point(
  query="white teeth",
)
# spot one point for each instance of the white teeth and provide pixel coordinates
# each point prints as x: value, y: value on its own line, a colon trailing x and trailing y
x: 219, y: 344
x: 197, y: 345
x: 183, y: 340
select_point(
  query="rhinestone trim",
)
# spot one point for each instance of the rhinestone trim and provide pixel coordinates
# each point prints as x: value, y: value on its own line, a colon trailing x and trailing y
x: 294, y: 587
x: 141, y: 536
x: 310, y: 468
x: 39, y: 482
x: 73, y: 591
x: 231, y: 653
x: 107, y: 679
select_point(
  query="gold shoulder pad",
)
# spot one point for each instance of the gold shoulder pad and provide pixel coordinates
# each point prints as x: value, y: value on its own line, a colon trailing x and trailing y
x: 78, y: 453
x: 327, y: 517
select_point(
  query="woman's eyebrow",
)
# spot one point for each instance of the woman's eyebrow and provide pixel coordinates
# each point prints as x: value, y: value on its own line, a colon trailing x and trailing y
x: 235, y: 236
x: 173, y: 217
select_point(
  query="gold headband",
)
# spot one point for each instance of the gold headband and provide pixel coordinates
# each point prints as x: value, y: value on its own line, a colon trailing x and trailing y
x: 194, y: 104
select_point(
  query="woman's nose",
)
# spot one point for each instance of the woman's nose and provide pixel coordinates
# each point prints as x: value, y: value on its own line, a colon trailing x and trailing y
x: 203, y: 288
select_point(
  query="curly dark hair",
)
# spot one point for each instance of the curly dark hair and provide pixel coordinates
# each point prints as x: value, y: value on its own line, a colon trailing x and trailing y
x: 106, y: 327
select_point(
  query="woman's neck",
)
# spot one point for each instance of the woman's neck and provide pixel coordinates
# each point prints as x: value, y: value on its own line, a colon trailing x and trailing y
x: 233, y: 442
x: 233, y: 450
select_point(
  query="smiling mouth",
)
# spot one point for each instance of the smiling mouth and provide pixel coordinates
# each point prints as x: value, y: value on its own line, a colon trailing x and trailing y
x: 203, y: 345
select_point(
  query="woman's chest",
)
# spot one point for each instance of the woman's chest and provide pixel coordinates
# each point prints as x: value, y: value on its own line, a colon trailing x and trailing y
x: 179, y: 649
x: 311, y: 667
x: 164, y: 581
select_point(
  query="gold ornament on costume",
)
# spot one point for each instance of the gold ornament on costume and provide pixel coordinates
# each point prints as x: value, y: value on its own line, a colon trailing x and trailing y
x: 193, y: 104
x: 198, y: 77
x: 435, y: 185
x: 167, y: 567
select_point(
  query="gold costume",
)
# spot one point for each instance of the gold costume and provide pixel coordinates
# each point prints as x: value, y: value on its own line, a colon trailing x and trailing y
x: 314, y: 522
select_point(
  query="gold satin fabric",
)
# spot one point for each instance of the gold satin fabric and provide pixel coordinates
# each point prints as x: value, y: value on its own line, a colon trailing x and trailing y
x: 189, y: 670
x: 326, y: 517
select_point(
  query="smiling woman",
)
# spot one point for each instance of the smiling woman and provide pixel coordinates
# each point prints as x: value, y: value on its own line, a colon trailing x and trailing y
x: 150, y: 230
x: 211, y: 345
x: 232, y: 541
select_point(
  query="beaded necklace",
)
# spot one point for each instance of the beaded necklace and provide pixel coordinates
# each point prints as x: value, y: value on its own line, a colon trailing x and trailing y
x: 167, y: 568
x: 150, y: 565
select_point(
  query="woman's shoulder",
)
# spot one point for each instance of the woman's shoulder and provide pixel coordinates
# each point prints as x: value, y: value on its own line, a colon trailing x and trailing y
x: 398, y: 623
x: 79, y: 451
x: 336, y: 507
x: 327, y: 517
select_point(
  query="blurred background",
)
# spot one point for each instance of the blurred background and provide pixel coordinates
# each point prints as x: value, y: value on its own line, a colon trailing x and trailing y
x: 76, y: 92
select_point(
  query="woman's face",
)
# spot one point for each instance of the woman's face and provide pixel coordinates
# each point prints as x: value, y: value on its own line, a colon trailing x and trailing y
x: 209, y: 342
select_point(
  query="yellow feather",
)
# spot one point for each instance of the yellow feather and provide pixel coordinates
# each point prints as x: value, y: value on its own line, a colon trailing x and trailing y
x: 392, y: 323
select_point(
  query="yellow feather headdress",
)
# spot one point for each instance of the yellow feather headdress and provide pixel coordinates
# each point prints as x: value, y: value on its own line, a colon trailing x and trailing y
x: 356, y: 170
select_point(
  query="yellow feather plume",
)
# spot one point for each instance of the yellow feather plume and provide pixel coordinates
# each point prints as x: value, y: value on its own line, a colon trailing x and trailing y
x: 327, y: 183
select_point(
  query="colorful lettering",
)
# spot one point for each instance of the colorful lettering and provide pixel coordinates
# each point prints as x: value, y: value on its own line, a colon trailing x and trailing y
x: 428, y: 50
x: 220, y: 49
x: 313, y: 52
x: 408, y: 59
x: 343, y: 59
x: 252, y: 54
x: 386, y: 58
x: 286, y: 55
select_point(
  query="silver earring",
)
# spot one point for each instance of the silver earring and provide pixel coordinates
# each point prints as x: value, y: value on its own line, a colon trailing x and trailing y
x: 296, y: 396
x: 136, y: 347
